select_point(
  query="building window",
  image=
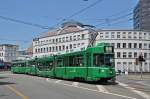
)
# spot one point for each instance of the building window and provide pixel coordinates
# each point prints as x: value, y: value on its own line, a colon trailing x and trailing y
x: 106, y: 35
x: 47, y: 49
x: 38, y: 50
x: 118, y: 55
x: 140, y: 35
x: 59, y: 39
x: 59, y: 48
x: 124, y: 45
x: 70, y: 46
x: 50, y: 49
x: 63, y: 39
x: 135, y: 54
x: 83, y: 36
x: 112, y: 34
x: 41, y: 50
x: 149, y: 46
x: 124, y: 54
x: 53, y: 49
x: 113, y: 44
x: 35, y: 51
x: 78, y: 44
x: 129, y: 45
x: 66, y: 39
x: 135, y: 35
x: 129, y: 35
x: 56, y: 40
x: 130, y: 54
x: 145, y: 45
x: 124, y: 35
x: 53, y: 40
x: 78, y: 37
x: 135, y: 45
x: 118, y: 45
x: 74, y: 37
x: 74, y: 45
x: 101, y: 35
x: 44, y: 50
x: 70, y: 38
x: 145, y: 55
x: 118, y: 34
x: 140, y: 45
x: 63, y: 47
x: 56, y: 48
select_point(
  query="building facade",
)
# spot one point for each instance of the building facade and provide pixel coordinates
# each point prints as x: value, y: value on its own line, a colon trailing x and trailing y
x: 8, y: 52
x: 72, y: 36
x: 128, y: 44
x: 142, y: 15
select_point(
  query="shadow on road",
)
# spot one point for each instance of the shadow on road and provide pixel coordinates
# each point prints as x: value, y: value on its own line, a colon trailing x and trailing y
x: 6, y: 83
x: 3, y: 77
x: 102, y: 83
x: 93, y: 82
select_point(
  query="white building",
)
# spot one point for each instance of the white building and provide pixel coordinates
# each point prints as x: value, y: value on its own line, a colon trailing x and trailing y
x: 72, y: 36
x: 129, y: 44
x: 8, y: 52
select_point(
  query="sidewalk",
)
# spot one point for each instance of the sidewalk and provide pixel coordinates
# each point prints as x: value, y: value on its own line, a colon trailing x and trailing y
x: 135, y: 77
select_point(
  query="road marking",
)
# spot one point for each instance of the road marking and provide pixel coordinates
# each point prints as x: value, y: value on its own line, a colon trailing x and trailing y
x: 75, y: 84
x: 101, y: 88
x: 17, y: 92
x: 58, y: 81
x: 144, y: 95
x: 48, y: 80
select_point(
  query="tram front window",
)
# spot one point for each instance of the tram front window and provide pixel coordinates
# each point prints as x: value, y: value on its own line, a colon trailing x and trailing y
x: 109, y: 59
x: 103, y: 59
x: 98, y: 59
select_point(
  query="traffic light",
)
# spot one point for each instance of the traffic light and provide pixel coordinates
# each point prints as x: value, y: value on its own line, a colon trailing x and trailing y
x: 141, y: 59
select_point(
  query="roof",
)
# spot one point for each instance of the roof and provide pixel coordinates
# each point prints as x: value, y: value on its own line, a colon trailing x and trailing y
x: 99, y: 30
x: 7, y: 45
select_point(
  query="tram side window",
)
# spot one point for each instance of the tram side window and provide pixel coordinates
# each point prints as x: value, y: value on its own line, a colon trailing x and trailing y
x: 79, y: 60
x: 98, y: 60
x: 60, y: 62
x: 50, y: 65
x: 76, y: 60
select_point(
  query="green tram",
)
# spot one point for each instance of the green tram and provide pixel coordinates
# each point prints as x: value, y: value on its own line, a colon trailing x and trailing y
x: 93, y: 64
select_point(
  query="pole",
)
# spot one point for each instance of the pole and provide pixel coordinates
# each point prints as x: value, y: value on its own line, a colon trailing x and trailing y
x: 141, y: 71
x: 135, y: 69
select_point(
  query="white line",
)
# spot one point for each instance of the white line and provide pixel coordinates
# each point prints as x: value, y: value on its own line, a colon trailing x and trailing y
x: 58, y: 81
x: 75, y: 84
x: 101, y: 88
x: 96, y: 90
x: 144, y: 95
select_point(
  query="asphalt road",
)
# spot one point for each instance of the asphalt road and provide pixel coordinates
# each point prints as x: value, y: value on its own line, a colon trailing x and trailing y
x: 19, y: 86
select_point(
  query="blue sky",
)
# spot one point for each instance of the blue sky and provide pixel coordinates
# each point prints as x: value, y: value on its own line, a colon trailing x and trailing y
x: 51, y: 12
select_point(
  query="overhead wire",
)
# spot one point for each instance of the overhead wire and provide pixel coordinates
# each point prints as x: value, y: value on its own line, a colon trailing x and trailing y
x: 119, y: 22
x: 110, y: 20
x: 24, y: 22
x: 80, y: 11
